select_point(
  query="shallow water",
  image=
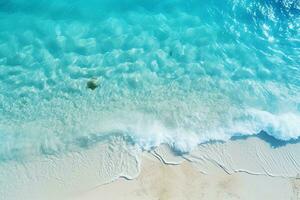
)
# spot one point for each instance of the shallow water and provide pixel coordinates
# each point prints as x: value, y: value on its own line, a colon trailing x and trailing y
x: 173, y: 71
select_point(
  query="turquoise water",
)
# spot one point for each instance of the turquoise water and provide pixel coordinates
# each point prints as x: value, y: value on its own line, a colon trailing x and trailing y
x: 180, y: 72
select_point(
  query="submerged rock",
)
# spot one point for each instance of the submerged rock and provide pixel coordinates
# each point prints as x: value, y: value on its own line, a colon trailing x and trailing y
x: 92, y: 84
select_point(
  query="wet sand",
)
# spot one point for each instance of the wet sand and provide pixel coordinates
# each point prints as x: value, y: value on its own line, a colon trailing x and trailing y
x: 163, y: 182
x: 249, y: 169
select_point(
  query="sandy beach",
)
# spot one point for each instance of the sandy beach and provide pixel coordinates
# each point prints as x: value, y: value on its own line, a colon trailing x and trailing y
x: 164, y: 182
x: 247, y: 169
x: 165, y: 176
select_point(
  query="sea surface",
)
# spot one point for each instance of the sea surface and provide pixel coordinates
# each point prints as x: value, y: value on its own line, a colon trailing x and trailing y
x: 180, y: 72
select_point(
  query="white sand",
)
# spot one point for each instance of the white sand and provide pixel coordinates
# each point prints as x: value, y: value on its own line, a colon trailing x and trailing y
x: 242, y: 169
x: 163, y: 182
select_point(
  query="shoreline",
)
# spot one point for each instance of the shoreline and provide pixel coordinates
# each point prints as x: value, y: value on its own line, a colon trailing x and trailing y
x: 249, y: 164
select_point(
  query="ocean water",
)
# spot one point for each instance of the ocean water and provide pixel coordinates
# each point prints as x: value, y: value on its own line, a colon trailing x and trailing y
x: 180, y: 72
